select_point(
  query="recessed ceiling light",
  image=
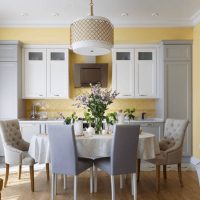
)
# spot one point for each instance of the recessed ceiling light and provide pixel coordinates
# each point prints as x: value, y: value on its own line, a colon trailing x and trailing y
x: 55, y: 14
x: 155, y: 14
x: 124, y: 14
x: 24, y: 14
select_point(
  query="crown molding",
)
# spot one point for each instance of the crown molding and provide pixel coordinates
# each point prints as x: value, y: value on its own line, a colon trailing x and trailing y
x: 167, y: 23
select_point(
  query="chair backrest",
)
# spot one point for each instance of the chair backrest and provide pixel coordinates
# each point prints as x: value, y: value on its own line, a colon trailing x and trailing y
x: 124, y: 149
x: 63, y: 150
x: 11, y: 134
x: 176, y: 128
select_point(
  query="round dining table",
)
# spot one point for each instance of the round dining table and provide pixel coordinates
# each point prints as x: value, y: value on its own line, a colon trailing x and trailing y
x: 94, y: 146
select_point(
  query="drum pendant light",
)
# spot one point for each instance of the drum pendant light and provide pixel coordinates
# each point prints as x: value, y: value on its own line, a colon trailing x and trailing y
x: 91, y: 35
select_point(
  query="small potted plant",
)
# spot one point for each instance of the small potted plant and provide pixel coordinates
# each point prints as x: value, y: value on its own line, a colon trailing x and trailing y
x: 71, y: 119
x: 111, y: 118
x: 129, y: 114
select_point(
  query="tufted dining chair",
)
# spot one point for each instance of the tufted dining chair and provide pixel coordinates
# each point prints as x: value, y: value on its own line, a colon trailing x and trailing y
x: 64, y: 156
x: 1, y: 186
x: 171, y: 146
x: 123, y: 156
x: 15, y: 149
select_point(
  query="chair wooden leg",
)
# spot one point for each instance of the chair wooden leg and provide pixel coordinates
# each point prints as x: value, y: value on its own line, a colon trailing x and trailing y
x: 20, y: 171
x: 121, y: 181
x: 1, y: 186
x: 32, y: 177
x: 157, y: 178
x: 7, y: 174
x: 47, y: 171
x: 113, y: 187
x: 75, y: 187
x: 138, y: 169
x: 165, y: 172
x: 180, y: 174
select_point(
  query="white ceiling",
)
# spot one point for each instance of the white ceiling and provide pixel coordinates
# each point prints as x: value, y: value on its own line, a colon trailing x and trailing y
x: 40, y: 12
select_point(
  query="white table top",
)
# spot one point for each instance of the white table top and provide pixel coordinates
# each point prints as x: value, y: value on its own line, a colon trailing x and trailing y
x: 93, y: 146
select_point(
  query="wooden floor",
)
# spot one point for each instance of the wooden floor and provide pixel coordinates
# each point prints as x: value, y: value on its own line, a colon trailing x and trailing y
x: 170, y: 190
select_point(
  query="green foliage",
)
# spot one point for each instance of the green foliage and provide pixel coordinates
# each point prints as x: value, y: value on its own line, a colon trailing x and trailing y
x: 88, y: 118
x: 71, y: 119
x: 68, y: 120
x: 129, y: 113
x: 111, y: 118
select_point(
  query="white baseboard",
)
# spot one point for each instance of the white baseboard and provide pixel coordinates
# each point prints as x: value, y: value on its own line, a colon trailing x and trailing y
x: 196, y: 162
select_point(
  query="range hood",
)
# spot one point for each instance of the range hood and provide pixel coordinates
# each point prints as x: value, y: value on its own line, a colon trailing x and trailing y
x: 86, y: 73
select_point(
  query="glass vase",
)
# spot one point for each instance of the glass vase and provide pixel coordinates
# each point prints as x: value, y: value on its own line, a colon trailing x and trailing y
x: 98, y: 125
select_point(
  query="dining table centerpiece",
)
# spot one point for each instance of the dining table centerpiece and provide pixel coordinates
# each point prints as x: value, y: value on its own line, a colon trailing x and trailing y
x: 96, y: 103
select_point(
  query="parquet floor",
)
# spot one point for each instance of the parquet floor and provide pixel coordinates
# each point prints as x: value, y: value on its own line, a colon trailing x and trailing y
x: 170, y: 190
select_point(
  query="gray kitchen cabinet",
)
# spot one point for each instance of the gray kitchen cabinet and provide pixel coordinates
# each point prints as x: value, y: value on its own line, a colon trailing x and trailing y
x: 156, y: 128
x: 30, y: 128
x: 11, y: 104
x: 176, y: 87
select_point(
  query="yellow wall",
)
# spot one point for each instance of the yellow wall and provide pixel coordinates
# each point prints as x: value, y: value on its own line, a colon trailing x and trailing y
x: 121, y: 36
x: 196, y: 91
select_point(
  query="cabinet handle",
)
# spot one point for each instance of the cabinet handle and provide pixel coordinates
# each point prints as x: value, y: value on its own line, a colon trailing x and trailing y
x: 143, y: 95
x: 56, y: 95
x: 126, y: 95
x: 41, y: 95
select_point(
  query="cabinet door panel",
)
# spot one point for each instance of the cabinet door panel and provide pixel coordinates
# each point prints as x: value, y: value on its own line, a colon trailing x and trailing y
x: 123, y: 72
x: 157, y: 130
x: 8, y: 52
x: 8, y: 90
x: 35, y: 73
x: 177, y: 52
x: 145, y: 73
x: 178, y: 96
x: 28, y: 130
x: 57, y: 73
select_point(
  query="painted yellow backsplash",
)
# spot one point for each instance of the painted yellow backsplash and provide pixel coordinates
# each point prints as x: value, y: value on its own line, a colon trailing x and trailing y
x: 121, y: 36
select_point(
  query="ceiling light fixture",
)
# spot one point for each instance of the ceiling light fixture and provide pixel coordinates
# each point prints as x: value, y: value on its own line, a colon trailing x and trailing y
x: 23, y: 14
x: 155, y: 14
x: 124, y: 14
x: 91, y: 35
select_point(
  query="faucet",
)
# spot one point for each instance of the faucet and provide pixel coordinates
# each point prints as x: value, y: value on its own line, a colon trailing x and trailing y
x: 143, y: 115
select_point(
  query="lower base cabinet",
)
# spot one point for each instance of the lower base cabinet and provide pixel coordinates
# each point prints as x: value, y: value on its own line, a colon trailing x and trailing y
x: 29, y: 129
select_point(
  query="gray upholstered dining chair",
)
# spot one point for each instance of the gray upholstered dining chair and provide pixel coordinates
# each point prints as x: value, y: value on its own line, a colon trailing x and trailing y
x: 170, y: 148
x: 123, y: 157
x: 15, y: 149
x: 64, y: 157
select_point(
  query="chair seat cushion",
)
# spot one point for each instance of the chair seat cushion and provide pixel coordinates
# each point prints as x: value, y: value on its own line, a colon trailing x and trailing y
x: 103, y: 164
x: 166, y: 143
x: 27, y: 159
x: 83, y: 164
x: 160, y: 159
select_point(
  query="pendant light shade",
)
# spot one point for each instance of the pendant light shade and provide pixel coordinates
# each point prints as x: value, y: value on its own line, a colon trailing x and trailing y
x: 92, y: 35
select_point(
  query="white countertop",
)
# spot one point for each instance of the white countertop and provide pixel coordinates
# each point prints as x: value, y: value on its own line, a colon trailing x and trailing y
x: 54, y: 120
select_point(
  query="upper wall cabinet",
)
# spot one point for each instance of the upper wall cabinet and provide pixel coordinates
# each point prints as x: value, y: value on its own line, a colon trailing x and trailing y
x: 123, y: 72
x: 45, y: 73
x: 134, y: 72
x: 145, y: 73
